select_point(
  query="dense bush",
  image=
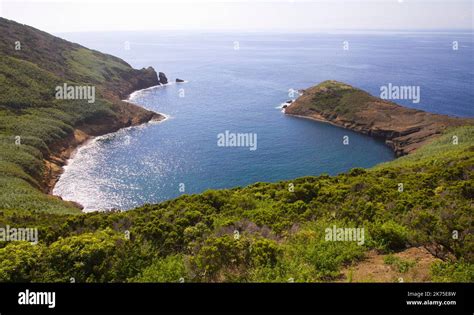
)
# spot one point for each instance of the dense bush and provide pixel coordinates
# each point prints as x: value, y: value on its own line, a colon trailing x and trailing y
x: 389, y: 235
x: 168, y: 269
x: 460, y: 271
x: 19, y: 262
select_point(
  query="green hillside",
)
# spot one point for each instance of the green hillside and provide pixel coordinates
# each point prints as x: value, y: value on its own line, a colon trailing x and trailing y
x: 32, y: 64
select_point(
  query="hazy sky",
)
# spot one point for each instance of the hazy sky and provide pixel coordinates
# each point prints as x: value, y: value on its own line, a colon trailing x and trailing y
x: 247, y: 15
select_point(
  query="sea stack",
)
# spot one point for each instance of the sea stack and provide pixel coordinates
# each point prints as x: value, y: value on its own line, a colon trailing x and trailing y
x: 162, y: 78
x: 179, y: 80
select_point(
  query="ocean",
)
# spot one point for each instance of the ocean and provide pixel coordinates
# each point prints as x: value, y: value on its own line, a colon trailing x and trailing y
x: 235, y: 83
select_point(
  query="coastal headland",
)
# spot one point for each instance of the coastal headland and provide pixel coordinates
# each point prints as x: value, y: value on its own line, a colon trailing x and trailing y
x: 403, y: 129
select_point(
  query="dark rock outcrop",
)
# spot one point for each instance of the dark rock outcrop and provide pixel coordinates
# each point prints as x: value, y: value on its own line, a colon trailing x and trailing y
x: 162, y: 78
x: 179, y: 80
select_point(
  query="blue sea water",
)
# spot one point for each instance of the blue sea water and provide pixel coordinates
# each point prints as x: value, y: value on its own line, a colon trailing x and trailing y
x: 239, y: 90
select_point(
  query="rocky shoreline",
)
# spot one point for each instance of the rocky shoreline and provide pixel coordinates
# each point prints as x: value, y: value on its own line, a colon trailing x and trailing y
x: 403, y: 129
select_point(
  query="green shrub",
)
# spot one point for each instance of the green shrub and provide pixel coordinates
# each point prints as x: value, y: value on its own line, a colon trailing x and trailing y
x: 460, y: 271
x: 88, y: 257
x: 389, y: 235
x: 20, y: 262
x: 399, y: 264
x: 168, y: 269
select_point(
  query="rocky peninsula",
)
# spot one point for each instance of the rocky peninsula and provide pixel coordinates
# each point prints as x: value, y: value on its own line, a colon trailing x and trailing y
x: 403, y: 129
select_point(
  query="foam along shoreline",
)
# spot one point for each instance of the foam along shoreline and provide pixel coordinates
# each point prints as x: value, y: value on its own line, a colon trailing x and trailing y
x: 284, y: 105
x: 67, y: 148
x: 134, y: 94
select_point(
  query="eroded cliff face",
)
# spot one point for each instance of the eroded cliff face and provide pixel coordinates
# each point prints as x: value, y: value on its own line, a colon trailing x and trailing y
x: 403, y: 129
x: 132, y: 80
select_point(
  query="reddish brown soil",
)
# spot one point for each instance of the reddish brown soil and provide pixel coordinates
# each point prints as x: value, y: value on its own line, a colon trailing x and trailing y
x: 374, y: 269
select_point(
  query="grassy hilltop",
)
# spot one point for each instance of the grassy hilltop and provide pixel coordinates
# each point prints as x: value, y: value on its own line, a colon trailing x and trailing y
x: 264, y: 232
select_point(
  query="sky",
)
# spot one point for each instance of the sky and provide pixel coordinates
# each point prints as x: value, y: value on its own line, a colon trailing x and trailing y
x: 57, y: 16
